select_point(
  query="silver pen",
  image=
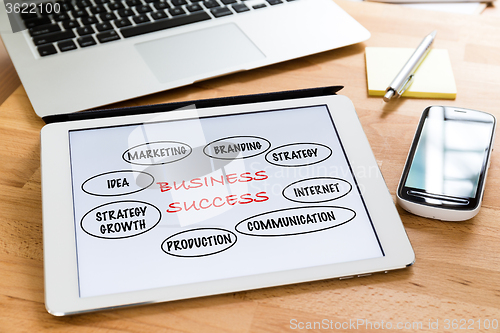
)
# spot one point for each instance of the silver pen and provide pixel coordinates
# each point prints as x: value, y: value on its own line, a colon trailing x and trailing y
x: 405, y: 77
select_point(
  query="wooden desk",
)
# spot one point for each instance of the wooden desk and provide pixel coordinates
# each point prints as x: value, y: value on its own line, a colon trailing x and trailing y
x: 9, y: 80
x: 457, y: 272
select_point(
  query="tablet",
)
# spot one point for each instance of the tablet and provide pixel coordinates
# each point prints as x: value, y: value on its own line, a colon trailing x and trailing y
x: 165, y: 206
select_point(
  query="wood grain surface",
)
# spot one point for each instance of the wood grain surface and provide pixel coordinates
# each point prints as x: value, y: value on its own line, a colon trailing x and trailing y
x: 455, y: 280
x: 9, y: 80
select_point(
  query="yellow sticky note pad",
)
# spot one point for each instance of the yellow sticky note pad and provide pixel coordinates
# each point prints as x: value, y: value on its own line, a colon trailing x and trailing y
x: 433, y: 78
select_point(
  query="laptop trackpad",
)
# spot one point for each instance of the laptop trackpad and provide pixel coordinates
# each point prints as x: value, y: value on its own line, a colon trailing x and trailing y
x: 208, y: 51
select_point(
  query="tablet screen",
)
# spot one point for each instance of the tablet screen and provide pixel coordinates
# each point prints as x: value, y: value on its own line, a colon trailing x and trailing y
x: 177, y: 202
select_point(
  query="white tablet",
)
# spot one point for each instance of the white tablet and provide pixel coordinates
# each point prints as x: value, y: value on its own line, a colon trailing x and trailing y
x: 165, y: 206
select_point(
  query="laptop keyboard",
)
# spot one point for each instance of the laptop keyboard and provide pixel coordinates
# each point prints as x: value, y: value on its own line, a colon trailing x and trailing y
x: 85, y: 23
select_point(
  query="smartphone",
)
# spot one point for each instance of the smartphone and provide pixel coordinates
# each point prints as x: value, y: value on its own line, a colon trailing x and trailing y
x: 446, y: 167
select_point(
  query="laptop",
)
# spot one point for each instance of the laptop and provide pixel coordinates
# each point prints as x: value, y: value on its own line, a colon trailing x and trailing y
x: 75, y: 55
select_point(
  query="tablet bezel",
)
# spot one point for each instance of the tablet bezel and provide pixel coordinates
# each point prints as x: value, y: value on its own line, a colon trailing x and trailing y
x: 60, y: 257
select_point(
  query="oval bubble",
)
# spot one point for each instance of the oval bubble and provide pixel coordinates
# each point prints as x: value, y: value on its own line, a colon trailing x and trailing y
x: 316, y: 190
x: 199, y: 242
x: 157, y: 153
x: 121, y: 219
x: 298, y: 154
x: 116, y: 183
x: 295, y: 221
x: 236, y: 147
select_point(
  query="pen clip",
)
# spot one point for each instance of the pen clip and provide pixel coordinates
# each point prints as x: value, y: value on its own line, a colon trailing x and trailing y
x: 406, y: 85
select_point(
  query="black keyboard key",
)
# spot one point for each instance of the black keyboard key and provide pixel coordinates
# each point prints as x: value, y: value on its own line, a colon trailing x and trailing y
x: 67, y: 45
x: 178, y: 3
x: 53, y: 37
x: 228, y: 2
x: 133, y: 3
x: 71, y: 24
x: 211, y: 3
x: 86, y: 41
x: 98, y: 9
x: 88, y: 20
x: 141, y: 19
x: 240, y: 8
x: 83, y: 31
x: 63, y: 2
x: 143, y: 9
x: 194, y: 7
x: 164, y: 24
x: 107, y: 36
x: 105, y: 26
x: 83, y: 3
x: 61, y: 17
x: 101, y: 2
x: 259, y: 6
x: 44, y: 29
x: 159, y: 15
x: 126, y: 12
x: 46, y: 50
x: 115, y: 6
x: 79, y: 13
x: 35, y: 22
x: 274, y: 2
x: 176, y: 11
x: 27, y: 16
x: 105, y: 17
x: 221, y: 11
x: 161, y: 5
x: 66, y: 7
x: 123, y: 22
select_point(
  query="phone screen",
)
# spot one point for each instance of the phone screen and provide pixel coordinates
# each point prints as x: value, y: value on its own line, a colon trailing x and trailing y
x: 448, y: 160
